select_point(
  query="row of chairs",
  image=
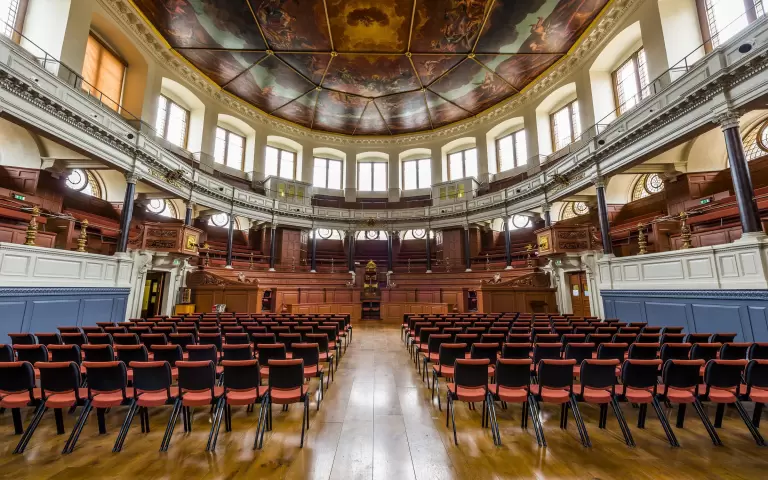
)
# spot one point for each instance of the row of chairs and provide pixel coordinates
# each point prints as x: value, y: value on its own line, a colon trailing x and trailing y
x: 238, y: 317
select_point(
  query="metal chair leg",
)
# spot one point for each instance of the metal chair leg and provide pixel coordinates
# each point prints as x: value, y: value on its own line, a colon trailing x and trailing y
x: 707, y: 424
x: 125, y: 427
x: 171, y: 426
x: 453, y: 420
x: 622, y: 423
x: 303, y: 421
x: 27, y: 435
x: 78, y: 428
x: 664, y: 423
x: 752, y: 429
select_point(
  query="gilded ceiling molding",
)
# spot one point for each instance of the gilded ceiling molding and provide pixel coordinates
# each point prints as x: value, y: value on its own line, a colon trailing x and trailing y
x: 126, y: 15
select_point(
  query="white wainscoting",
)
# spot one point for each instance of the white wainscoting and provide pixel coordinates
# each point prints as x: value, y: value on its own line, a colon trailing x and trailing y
x: 25, y: 266
x: 734, y: 266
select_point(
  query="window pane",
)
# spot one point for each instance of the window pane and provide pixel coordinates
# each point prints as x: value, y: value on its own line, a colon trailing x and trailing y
x: 626, y: 86
x: 221, y: 144
x: 455, y: 166
x: 235, y: 151
x: 8, y: 12
x: 521, y: 150
x: 726, y: 19
x: 364, y: 177
x: 286, y: 164
x: 425, y: 173
x: 319, y: 179
x: 642, y: 69
x: 334, y: 174
x: 177, y: 125
x: 162, y: 111
x: 506, y: 153
x: 561, y: 128
x: 410, y: 180
x: 379, y: 177
x: 270, y: 159
x: 470, y: 162
x: 575, y: 121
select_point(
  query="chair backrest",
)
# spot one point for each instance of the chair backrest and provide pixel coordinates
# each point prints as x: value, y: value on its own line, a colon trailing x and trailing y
x: 734, y: 351
x: 68, y: 329
x: 628, y: 338
x: 497, y: 338
x: 705, y: 351
x: 437, y: 339
x: 467, y: 338
x: 320, y: 339
x: 513, y: 372
x: 65, y: 353
x: 471, y: 372
x: 649, y: 338
x: 22, y: 339
x: 149, y: 339
x: 98, y: 353
x: 168, y: 353
x: 257, y: 338
x: 91, y: 329
x: 270, y: 351
x: 758, y: 351
x: 543, y: 351
x: 722, y: 337
x: 241, y: 375
x: 99, y: 338
x: 675, y: 351
x: 681, y: 373
x: 640, y: 373
x: 237, y: 352
x: 59, y: 377
x: 151, y: 376
x: 31, y: 353
x: 519, y: 338
x: 512, y: 350
x: 288, y: 339
x: 199, y: 353
x: 49, y: 338
x: 697, y: 338
x: 607, y: 351
x: 183, y: 340
x: 106, y: 377
x: 644, y: 351
x: 17, y: 377
x: 450, y: 352
x: 308, y: 352
x: 599, y: 338
x: 546, y: 338
x: 598, y: 373
x: 724, y: 373
x: 488, y: 351
x: 125, y: 339
x: 672, y: 338
x: 286, y: 374
x: 579, y: 351
x: 556, y: 373
x: 131, y: 353
x: 424, y: 334
x: 672, y: 330
x: 756, y: 373
x: 6, y: 353
x: 573, y: 338
x: 210, y: 339
x: 196, y: 376
x: 238, y: 338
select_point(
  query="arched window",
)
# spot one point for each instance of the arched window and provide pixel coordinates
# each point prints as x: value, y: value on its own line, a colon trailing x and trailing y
x: 417, y: 234
x: 519, y: 221
x: 83, y: 181
x: 162, y: 207
x: 221, y: 220
x: 647, y: 184
x: 756, y: 141
x: 371, y: 235
x: 573, y: 209
x: 325, y: 234
x: 725, y: 19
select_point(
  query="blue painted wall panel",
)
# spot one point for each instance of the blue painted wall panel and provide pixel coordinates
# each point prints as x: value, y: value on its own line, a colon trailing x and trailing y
x: 44, y: 309
x: 742, y: 311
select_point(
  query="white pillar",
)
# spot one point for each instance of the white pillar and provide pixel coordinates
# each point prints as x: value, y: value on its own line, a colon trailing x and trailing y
x: 482, y: 159
x: 393, y: 178
x: 259, y: 152
x: 436, y: 164
x: 350, y: 179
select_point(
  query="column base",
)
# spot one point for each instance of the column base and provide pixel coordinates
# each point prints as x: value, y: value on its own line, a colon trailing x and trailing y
x: 509, y: 267
x: 390, y: 271
x: 351, y: 271
x: 468, y: 270
x: 751, y: 237
x: 271, y: 270
x: 429, y: 271
x: 230, y: 267
x: 313, y: 271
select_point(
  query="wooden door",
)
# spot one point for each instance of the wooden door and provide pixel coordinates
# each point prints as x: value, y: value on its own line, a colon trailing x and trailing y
x: 579, y: 291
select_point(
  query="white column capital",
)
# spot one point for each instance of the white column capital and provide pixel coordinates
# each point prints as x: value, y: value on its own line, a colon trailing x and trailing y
x: 728, y: 119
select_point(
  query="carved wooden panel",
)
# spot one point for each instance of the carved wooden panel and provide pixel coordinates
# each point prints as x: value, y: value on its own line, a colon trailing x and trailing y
x: 22, y: 180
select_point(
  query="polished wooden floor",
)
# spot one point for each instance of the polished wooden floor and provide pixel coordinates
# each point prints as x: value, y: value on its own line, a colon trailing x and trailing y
x: 377, y: 422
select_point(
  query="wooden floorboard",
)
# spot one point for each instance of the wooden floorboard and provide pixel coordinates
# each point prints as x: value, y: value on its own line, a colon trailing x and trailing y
x: 377, y: 422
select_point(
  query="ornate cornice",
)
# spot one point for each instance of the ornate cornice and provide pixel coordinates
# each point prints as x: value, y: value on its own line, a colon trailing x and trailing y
x: 606, y: 23
x: 49, y: 291
x: 736, y: 295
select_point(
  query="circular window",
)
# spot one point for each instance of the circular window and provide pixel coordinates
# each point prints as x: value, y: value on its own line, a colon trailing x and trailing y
x: 580, y: 208
x: 420, y: 233
x: 162, y: 207
x: 573, y: 209
x: 521, y: 221
x: 371, y: 235
x: 646, y: 185
x: 324, y: 233
x: 77, y: 180
x: 219, y: 220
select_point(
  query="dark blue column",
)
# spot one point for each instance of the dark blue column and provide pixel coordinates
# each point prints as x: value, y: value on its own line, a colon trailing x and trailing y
x: 467, y: 257
x: 547, y: 218
x: 230, y: 238
x: 390, y: 267
x: 351, y: 250
x: 429, y: 254
x: 742, y: 181
x: 602, y: 213
x: 313, y: 260
x: 188, y: 214
x: 272, y: 242
x: 127, y: 213
x: 507, y: 244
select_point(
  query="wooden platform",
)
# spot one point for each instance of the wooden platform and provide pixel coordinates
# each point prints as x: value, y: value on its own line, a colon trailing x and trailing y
x: 377, y: 422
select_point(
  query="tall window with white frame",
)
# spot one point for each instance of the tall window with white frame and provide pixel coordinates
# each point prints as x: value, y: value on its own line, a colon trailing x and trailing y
x: 229, y: 149
x: 566, y: 125
x: 327, y: 173
x: 630, y: 82
x: 12, y: 13
x: 280, y: 163
x: 172, y: 121
x: 726, y: 18
x: 511, y: 151
x: 462, y: 164
x: 372, y: 176
x: 417, y: 174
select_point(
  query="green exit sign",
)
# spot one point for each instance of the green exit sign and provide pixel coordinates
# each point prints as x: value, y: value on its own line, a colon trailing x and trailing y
x: 18, y: 197
x: 704, y: 201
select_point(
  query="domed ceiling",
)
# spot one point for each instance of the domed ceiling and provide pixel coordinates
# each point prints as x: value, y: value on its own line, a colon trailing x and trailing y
x: 372, y: 67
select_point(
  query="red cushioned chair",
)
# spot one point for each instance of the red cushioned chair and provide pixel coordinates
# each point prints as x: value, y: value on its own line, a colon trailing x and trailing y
x: 326, y: 355
x: 22, y: 339
x: 73, y: 338
x: 432, y: 351
x: 598, y: 387
x: 237, y: 352
x: 242, y: 387
x: 723, y: 383
x: 639, y: 379
x: 734, y: 351
x: 512, y: 385
x: 197, y: 388
x: 60, y: 389
x: 470, y: 385
x: 309, y: 353
x: 516, y: 350
x: 267, y: 352
x: 6, y: 353
x: 286, y: 386
x: 33, y: 354
x: 579, y: 352
x: 556, y: 387
x: 680, y: 385
x: 756, y: 379
x: 98, y: 338
x: 98, y: 353
x: 126, y: 339
x: 643, y: 351
x: 49, y: 338
x: 131, y: 353
x: 17, y: 390
x: 444, y: 367
x: 168, y: 353
x: 151, y: 388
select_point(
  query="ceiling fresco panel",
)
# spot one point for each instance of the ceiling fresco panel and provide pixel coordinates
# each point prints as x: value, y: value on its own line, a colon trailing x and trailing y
x: 338, y: 112
x: 269, y: 85
x: 370, y: 25
x: 430, y: 67
x: 293, y: 24
x: 311, y: 65
x: 472, y: 87
x: 300, y: 110
x: 563, y: 27
x: 519, y: 70
x: 371, y: 122
x: 442, y: 111
x: 371, y: 75
x: 447, y: 25
x: 204, y: 23
x: 405, y: 112
x: 219, y: 66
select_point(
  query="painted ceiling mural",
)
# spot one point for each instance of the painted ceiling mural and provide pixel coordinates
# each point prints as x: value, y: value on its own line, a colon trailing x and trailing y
x: 369, y: 67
